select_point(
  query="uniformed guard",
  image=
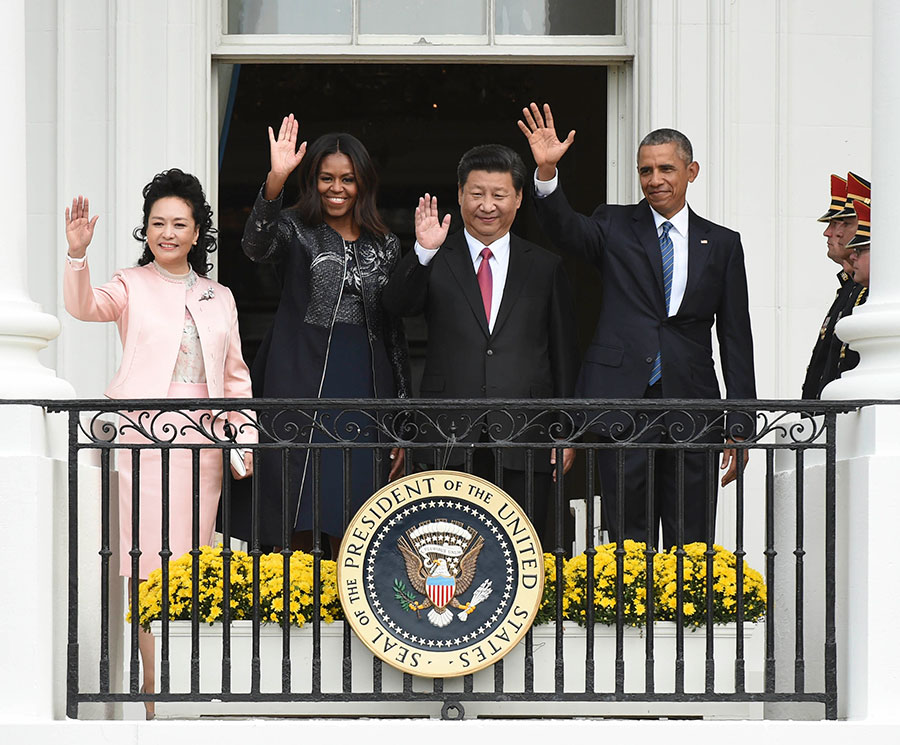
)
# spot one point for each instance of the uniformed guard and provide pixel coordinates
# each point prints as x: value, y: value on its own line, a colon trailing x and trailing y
x: 840, y: 229
x: 841, y: 357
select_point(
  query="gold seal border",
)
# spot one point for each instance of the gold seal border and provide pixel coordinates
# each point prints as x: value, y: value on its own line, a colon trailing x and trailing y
x: 382, y: 642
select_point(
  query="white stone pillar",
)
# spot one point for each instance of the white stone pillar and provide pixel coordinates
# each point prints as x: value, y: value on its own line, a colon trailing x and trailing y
x: 870, y: 440
x: 869, y: 450
x: 874, y: 329
x: 24, y: 328
x: 28, y: 686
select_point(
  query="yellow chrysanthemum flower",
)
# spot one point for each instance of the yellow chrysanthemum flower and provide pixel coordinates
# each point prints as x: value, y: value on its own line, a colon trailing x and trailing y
x: 211, y: 575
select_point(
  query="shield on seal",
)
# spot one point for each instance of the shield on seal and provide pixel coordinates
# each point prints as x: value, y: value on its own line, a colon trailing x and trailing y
x: 440, y: 590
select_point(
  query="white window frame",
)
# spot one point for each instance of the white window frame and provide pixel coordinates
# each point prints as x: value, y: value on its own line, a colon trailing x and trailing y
x: 614, y: 46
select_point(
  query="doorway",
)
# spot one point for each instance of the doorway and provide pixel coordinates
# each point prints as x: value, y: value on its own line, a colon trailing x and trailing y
x: 416, y: 120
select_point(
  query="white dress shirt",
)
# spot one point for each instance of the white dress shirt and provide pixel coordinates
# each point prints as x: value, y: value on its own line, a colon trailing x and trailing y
x: 678, y: 234
x: 499, y: 264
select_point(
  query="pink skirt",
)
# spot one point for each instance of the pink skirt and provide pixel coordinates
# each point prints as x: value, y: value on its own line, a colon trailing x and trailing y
x: 149, y: 498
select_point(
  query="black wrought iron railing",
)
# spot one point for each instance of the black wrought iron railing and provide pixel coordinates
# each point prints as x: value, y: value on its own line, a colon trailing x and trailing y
x: 467, y: 435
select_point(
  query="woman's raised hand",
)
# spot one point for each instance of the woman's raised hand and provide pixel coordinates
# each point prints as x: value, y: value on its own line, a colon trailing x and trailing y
x: 79, y: 226
x: 431, y: 231
x: 546, y: 147
x: 284, y: 155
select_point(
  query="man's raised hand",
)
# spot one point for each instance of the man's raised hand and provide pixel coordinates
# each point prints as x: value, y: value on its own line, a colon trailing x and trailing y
x: 79, y: 226
x: 546, y: 147
x: 431, y: 231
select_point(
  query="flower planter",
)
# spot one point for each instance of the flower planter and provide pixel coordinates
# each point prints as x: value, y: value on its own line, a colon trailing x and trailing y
x: 544, y: 646
x: 634, y: 655
x: 270, y: 646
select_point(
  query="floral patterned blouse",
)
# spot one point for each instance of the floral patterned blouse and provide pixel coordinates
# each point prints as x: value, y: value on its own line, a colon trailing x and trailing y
x: 189, y: 367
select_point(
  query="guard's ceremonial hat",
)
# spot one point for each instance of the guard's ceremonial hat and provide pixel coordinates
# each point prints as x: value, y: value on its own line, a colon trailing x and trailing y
x: 863, y: 237
x: 858, y: 190
x: 838, y: 198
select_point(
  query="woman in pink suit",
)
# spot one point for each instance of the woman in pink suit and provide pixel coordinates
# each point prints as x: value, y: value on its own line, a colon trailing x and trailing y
x: 179, y: 333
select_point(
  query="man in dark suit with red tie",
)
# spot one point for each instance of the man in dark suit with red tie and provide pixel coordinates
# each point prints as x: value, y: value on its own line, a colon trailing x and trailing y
x: 499, y: 312
x: 667, y: 274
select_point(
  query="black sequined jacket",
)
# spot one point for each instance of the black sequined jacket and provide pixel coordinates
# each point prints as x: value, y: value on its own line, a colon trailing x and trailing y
x: 312, y: 262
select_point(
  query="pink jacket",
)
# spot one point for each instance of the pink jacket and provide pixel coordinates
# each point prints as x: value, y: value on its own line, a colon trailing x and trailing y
x: 149, y: 312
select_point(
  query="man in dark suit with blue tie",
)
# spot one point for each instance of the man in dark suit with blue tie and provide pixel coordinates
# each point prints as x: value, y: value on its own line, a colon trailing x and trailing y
x: 667, y: 275
x: 501, y: 323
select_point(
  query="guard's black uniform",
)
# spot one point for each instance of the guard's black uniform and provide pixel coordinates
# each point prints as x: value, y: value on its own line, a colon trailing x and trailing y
x: 842, y: 358
x: 830, y: 356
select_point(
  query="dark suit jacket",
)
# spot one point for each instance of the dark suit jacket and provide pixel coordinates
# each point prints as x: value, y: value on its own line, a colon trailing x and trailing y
x: 530, y: 354
x: 622, y: 242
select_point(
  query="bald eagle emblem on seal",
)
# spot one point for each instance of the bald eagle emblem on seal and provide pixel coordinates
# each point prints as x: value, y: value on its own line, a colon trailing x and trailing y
x: 441, y: 558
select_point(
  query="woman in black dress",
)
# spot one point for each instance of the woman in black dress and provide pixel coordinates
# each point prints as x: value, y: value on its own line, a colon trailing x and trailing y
x: 330, y: 337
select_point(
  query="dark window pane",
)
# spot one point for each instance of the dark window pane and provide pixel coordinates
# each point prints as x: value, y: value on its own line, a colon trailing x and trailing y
x: 555, y: 17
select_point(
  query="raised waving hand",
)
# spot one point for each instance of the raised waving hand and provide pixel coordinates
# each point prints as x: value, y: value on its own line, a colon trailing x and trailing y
x: 79, y: 226
x: 546, y: 147
x: 431, y: 231
x: 284, y: 155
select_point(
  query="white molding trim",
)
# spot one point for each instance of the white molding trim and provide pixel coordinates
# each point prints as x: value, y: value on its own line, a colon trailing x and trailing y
x: 718, y: 113
x: 287, y: 49
x: 86, y: 157
x: 620, y: 131
x: 640, y: 88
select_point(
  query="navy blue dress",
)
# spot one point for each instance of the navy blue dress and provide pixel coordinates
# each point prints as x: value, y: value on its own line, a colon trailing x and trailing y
x: 347, y: 374
x: 330, y: 338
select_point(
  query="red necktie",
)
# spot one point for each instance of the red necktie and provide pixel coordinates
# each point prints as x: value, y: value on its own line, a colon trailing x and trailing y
x: 486, y: 281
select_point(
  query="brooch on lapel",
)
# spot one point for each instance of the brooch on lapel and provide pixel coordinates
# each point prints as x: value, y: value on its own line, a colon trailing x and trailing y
x: 208, y: 295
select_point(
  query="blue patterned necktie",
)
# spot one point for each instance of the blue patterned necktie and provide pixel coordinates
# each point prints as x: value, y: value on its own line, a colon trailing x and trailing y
x: 667, y: 250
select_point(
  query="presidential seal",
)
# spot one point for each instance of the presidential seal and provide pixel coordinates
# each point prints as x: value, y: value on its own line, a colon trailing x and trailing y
x: 440, y: 574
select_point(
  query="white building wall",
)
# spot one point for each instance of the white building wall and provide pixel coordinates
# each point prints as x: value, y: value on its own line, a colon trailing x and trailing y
x: 775, y: 95
x: 78, y: 61
x: 41, y: 155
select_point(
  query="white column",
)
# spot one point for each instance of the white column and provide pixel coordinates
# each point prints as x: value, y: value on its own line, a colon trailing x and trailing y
x: 27, y: 475
x: 868, y: 471
x: 24, y: 328
x: 870, y: 450
x: 874, y: 329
